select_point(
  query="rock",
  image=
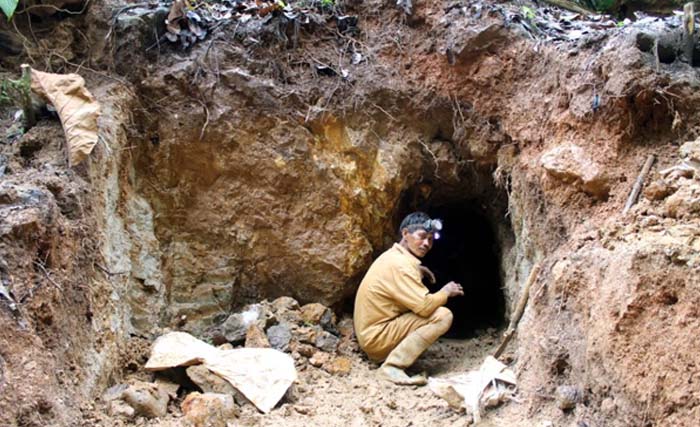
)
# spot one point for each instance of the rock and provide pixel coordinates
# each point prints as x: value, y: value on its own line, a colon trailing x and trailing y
x: 658, y: 190
x: 319, y: 314
x: 608, y: 406
x: 566, y: 397
x: 25, y: 222
x: 290, y: 317
x: 326, y: 341
x: 346, y: 327
x: 468, y: 44
x: 340, y: 366
x: 684, y: 203
x: 279, y: 337
x: 690, y: 166
x: 145, y: 291
x: 303, y: 409
x: 691, y: 151
x: 147, y: 399
x: 285, y: 304
x: 256, y: 338
x: 208, y: 409
x: 348, y: 346
x: 236, y: 326
x: 216, y: 336
x: 312, y: 313
x: 571, y: 165
x: 293, y: 394
x: 307, y: 334
x: 114, y: 393
x: 305, y: 350
x: 319, y: 359
x: 118, y: 408
x: 208, y: 381
x: 649, y: 221
x: 140, y: 25
x: 3, y: 165
x: 328, y: 322
x: 170, y: 387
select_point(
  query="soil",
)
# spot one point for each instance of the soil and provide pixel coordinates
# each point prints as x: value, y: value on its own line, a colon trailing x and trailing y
x: 360, y: 398
x: 276, y: 157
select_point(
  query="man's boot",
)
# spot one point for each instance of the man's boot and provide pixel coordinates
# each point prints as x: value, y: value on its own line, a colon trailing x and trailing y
x: 401, y: 358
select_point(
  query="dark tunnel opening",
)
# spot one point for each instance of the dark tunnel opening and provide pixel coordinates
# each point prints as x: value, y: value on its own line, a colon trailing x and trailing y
x: 468, y: 253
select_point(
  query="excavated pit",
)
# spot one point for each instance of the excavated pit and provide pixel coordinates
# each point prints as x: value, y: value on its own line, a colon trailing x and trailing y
x: 469, y: 253
x: 475, y: 247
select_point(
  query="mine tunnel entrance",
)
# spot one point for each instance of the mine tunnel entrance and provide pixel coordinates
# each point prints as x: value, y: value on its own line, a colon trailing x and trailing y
x: 468, y: 253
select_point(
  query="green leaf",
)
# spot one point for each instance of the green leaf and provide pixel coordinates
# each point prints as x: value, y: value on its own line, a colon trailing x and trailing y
x: 8, y: 7
x: 528, y: 13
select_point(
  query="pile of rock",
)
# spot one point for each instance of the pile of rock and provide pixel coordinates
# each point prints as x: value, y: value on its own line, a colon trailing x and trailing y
x: 311, y: 333
x: 569, y: 164
x: 140, y: 398
x: 678, y: 186
x: 150, y: 399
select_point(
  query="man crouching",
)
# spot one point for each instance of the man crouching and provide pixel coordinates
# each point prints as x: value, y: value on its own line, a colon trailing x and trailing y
x: 396, y: 317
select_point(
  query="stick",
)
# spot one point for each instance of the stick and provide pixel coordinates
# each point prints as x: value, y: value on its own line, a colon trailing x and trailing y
x: 519, y: 310
x: 46, y: 273
x: 26, y: 98
x: 107, y: 272
x: 657, y: 60
x: 632, y: 199
x: 569, y: 5
x: 689, y: 30
x: 206, y: 120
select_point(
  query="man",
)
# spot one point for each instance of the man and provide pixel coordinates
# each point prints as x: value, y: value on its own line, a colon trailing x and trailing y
x: 396, y: 317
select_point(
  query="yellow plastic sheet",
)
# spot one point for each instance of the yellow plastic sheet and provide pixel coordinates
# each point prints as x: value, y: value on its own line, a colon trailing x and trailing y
x: 76, y: 107
x: 263, y: 375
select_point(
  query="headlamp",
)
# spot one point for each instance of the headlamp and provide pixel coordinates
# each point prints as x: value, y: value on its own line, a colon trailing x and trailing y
x: 433, y: 226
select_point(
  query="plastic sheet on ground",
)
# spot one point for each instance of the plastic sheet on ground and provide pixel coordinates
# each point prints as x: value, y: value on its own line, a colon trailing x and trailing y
x: 262, y: 375
x: 76, y: 107
x: 487, y: 387
x: 178, y: 349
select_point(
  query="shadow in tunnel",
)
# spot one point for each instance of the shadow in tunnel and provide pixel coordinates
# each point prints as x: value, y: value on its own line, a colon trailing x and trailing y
x: 468, y: 253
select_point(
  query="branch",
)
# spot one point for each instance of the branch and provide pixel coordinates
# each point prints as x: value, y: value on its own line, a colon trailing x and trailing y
x: 46, y: 273
x: 569, y: 5
x: 632, y: 199
x: 519, y: 310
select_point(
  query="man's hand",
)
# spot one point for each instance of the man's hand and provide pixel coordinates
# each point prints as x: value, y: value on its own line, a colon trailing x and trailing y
x: 426, y: 273
x: 453, y: 289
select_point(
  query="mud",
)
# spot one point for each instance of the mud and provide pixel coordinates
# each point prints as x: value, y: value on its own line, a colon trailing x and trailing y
x: 268, y: 161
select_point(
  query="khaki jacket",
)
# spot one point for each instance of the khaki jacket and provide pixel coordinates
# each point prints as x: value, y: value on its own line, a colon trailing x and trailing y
x: 391, y: 287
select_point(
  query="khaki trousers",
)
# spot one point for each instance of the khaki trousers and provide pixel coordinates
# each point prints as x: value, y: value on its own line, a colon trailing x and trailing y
x: 394, y: 331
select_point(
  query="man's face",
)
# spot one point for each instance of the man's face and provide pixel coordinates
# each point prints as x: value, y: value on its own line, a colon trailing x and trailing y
x: 418, y: 242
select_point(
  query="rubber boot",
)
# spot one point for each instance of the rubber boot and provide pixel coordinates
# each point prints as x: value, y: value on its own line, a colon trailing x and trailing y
x: 401, y: 358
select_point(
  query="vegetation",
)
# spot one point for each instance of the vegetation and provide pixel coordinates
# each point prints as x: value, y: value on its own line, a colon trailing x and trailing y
x: 8, y: 7
x: 18, y: 93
